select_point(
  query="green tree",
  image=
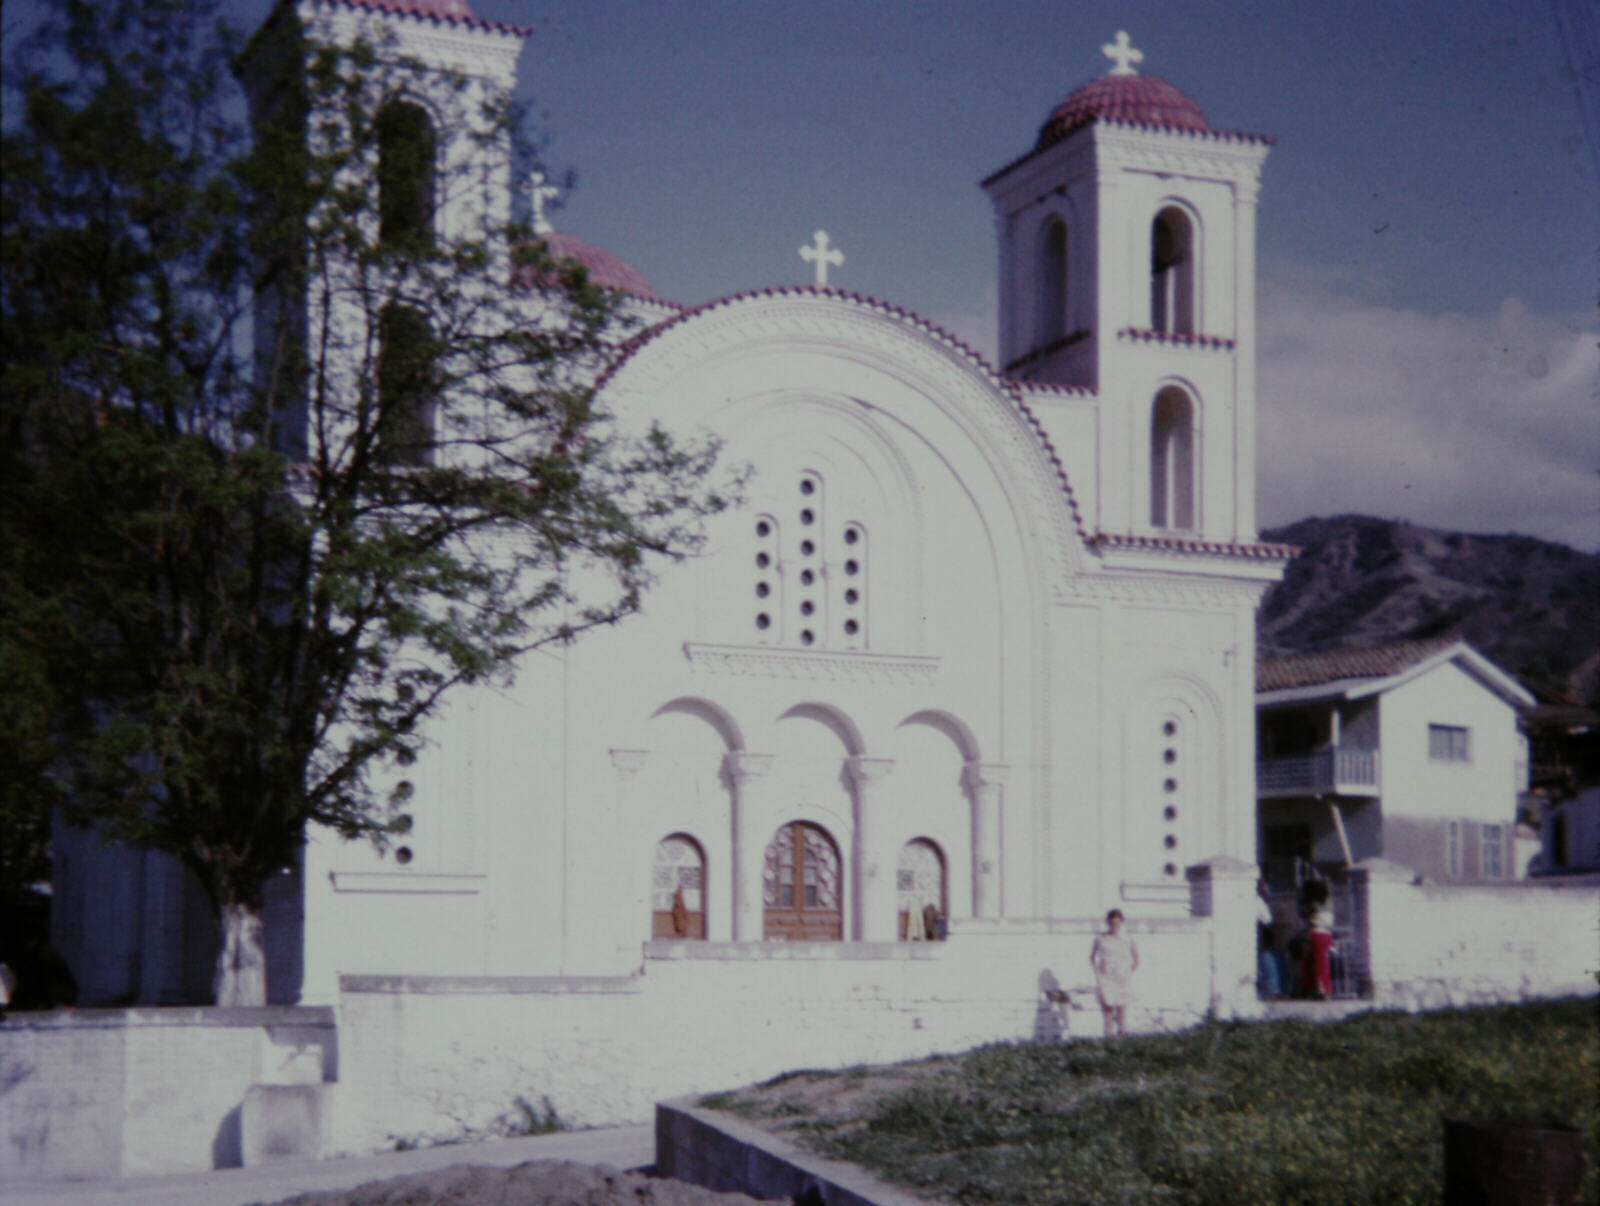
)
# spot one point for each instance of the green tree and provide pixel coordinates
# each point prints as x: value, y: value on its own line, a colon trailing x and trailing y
x: 285, y: 459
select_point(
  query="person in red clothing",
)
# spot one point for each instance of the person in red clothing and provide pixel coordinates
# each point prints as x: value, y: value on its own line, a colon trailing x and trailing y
x: 1316, y: 965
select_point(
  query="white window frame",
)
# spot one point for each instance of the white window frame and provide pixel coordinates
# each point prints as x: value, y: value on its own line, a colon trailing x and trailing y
x: 1449, y: 743
x: 1492, y: 839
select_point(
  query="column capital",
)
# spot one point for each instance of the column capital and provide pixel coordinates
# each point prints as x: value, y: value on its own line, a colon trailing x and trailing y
x: 978, y: 775
x: 629, y: 762
x: 868, y: 770
x: 741, y: 764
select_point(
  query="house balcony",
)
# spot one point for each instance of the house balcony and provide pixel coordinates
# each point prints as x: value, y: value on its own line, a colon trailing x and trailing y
x: 1330, y: 771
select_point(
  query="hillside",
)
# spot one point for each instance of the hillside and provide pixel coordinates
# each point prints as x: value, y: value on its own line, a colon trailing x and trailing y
x: 1531, y: 606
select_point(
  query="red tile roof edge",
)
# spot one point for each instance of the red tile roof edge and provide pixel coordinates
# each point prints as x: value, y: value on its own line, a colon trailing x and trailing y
x: 1339, y: 665
x: 1218, y: 343
x: 1229, y: 136
x: 1259, y: 551
x: 960, y: 346
x: 474, y: 22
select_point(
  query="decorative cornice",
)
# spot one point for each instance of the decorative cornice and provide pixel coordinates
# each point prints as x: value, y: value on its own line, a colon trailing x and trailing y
x: 868, y: 770
x: 1220, y: 147
x: 1173, y: 339
x: 979, y: 775
x: 1198, y: 591
x: 825, y: 665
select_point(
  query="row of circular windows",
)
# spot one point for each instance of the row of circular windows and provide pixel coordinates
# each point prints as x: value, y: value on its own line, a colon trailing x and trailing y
x: 777, y: 579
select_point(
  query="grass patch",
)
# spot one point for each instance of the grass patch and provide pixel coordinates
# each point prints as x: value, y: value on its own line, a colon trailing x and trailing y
x: 1336, y: 1114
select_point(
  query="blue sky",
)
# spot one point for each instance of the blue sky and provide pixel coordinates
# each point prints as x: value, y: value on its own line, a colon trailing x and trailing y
x: 1429, y: 219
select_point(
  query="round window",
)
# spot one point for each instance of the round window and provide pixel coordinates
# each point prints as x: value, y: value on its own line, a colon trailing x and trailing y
x: 763, y: 621
x: 807, y: 607
x: 762, y: 561
x: 850, y: 596
x: 851, y: 535
x: 808, y: 516
x: 851, y: 627
x: 807, y: 548
x: 807, y: 486
x: 762, y: 590
x: 763, y: 528
x: 807, y: 637
x: 807, y: 577
x: 852, y: 567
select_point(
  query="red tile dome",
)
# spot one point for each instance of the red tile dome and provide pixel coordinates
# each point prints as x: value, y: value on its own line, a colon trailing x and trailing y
x: 606, y: 270
x: 1144, y: 100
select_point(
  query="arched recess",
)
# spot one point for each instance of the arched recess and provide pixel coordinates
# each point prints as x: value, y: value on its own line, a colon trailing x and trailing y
x: 407, y: 170
x: 1175, y: 782
x: 803, y: 885
x: 1174, y: 273
x: 1174, y: 449
x: 1051, y: 282
x: 835, y: 721
x: 678, y: 889
x: 930, y: 798
x: 922, y: 890
x: 713, y: 714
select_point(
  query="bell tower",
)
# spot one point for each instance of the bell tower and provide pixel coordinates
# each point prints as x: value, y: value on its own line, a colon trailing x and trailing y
x: 1127, y: 273
x: 427, y: 76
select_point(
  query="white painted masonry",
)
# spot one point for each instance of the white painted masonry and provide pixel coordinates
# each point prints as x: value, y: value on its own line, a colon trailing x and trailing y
x: 1010, y: 619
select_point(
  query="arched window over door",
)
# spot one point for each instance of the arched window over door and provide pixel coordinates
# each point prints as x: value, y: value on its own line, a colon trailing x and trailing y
x: 801, y: 886
x: 1050, y: 318
x: 1172, y: 277
x: 678, y: 889
x: 922, y: 891
x: 1172, y: 501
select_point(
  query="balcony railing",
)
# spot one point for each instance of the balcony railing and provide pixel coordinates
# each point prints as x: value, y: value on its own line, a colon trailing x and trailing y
x: 1334, y: 770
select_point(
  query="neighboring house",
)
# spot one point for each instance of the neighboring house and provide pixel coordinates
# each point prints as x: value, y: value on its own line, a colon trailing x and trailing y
x: 1563, y: 800
x: 1409, y: 752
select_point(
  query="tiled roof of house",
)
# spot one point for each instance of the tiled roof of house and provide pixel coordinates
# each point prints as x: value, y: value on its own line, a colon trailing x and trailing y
x: 1314, y: 669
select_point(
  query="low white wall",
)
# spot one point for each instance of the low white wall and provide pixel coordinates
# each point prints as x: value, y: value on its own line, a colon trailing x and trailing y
x: 425, y: 1059
x: 1433, y: 946
x: 129, y: 1092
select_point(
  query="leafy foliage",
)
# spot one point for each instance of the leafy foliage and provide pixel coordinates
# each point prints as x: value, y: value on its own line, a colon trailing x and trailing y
x: 1286, y: 1112
x: 286, y: 456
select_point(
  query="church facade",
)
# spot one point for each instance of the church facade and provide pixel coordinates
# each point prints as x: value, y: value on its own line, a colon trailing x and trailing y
x: 973, y: 664
x: 978, y: 644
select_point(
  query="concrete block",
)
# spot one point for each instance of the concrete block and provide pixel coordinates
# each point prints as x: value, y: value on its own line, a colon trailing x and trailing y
x: 282, y: 1122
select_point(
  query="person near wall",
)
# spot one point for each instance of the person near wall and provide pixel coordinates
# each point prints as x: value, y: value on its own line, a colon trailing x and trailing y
x: 1316, y: 963
x: 1272, y: 967
x: 1114, y: 958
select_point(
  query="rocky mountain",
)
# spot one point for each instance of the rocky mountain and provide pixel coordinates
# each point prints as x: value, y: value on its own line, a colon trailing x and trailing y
x: 1531, y: 606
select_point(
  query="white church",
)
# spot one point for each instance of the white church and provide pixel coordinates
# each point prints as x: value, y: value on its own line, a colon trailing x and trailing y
x: 972, y: 665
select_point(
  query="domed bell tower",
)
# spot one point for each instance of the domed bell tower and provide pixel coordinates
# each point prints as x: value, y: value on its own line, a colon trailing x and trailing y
x: 1127, y: 271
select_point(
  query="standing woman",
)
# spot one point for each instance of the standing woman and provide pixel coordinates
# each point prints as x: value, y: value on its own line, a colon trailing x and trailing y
x: 1114, y: 958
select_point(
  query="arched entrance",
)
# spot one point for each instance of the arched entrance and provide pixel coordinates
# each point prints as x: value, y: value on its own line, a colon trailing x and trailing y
x: 801, y: 886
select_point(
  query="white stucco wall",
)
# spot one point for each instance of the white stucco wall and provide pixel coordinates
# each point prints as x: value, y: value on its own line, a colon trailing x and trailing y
x: 1483, y: 788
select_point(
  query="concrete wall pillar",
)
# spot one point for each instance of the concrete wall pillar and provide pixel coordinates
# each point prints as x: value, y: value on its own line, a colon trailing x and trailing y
x: 634, y: 871
x: 984, y: 781
x: 745, y: 771
x: 874, y: 885
x: 1224, y: 889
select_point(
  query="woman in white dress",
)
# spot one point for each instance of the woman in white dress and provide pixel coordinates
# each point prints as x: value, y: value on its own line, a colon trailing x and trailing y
x: 1114, y: 958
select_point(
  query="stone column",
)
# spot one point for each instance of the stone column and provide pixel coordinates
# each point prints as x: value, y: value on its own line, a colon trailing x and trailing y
x: 873, y: 881
x: 744, y: 771
x: 983, y: 782
x: 635, y: 888
x: 1224, y: 889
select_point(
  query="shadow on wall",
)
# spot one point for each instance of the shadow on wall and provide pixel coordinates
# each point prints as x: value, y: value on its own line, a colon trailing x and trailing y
x: 227, y: 1148
x: 1049, y: 1017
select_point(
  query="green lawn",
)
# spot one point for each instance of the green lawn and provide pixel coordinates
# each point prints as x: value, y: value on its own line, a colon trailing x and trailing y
x: 1341, y: 1113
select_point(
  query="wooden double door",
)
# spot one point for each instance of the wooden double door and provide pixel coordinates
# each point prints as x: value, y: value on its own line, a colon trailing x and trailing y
x: 801, y: 887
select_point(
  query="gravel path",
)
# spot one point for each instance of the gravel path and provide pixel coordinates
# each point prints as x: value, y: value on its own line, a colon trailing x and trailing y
x: 535, y: 1183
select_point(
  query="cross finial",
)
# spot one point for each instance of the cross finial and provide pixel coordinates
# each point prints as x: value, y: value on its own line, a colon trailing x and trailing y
x: 822, y: 255
x: 540, y: 193
x: 1122, y: 54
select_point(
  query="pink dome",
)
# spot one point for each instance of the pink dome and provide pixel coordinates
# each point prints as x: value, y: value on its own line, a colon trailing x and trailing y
x: 1144, y: 100
x: 605, y: 269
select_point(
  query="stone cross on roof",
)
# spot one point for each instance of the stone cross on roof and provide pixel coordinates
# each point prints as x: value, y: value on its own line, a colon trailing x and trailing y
x: 540, y: 193
x: 1122, y: 54
x: 822, y: 255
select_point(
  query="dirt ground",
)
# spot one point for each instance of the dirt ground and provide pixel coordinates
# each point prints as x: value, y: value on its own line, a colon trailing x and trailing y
x: 536, y: 1183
